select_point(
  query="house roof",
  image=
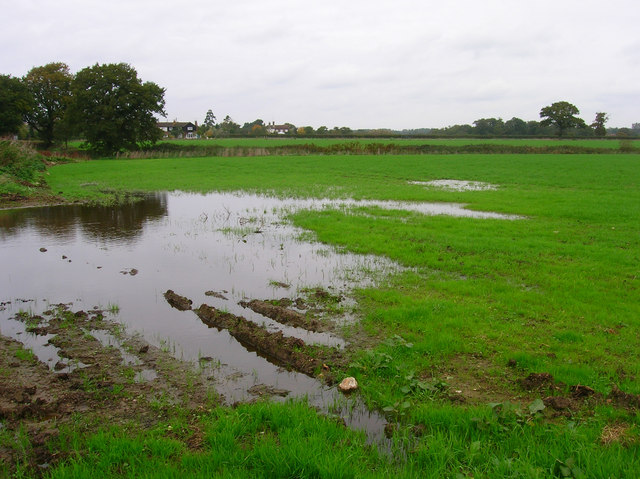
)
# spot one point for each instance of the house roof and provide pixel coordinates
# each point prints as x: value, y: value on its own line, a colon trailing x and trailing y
x: 179, y: 124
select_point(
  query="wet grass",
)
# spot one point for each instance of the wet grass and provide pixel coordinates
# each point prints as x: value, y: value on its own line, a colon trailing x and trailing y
x: 262, y: 440
x: 556, y: 293
x: 267, y: 440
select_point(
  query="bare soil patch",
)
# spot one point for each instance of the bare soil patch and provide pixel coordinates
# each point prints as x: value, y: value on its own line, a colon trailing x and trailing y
x: 473, y: 380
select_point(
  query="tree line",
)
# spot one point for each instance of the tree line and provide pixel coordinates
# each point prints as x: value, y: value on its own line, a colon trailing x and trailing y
x: 112, y: 110
x: 227, y: 127
x: 107, y: 105
x: 558, y: 119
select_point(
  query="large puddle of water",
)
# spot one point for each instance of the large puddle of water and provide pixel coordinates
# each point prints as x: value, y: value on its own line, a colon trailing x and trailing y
x: 235, y: 245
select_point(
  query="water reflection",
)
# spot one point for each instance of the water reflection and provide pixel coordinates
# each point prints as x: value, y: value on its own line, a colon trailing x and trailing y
x: 123, y: 223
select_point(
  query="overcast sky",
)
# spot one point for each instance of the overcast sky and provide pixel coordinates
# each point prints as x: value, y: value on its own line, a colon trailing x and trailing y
x: 358, y: 63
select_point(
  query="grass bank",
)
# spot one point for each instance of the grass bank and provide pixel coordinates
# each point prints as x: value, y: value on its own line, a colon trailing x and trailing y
x: 609, y: 143
x: 453, y: 341
x: 23, y: 173
x: 241, y: 147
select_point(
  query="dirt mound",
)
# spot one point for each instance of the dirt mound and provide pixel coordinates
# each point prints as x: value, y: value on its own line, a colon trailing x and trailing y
x: 579, y: 391
x: 216, y: 294
x: 283, y: 315
x: 623, y: 399
x: 179, y: 302
x: 286, y: 351
x: 538, y: 382
x: 559, y: 403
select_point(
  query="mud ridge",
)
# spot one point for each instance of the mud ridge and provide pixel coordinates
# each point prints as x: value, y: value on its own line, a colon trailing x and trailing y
x: 179, y: 302
x: 283, y: 315
x: 287, y: 351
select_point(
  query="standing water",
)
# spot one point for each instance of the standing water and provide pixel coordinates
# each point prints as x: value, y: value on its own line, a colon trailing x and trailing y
x: 218, y: 249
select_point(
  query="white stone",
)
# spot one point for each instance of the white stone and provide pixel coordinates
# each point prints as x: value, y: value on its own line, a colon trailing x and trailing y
x: 348, y: 385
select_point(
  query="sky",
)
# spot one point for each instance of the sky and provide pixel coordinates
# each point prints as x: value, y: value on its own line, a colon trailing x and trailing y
x: 400, y: 64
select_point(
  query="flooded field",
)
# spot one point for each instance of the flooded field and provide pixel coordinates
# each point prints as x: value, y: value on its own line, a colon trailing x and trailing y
x: 222, y: 250
x: 456, y: 185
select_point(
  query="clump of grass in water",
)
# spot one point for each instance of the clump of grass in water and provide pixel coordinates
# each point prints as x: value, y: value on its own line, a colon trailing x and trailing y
x: 25, y: 355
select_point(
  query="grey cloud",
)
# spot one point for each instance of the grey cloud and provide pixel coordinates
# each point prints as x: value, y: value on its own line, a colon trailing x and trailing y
x: 405, y: 64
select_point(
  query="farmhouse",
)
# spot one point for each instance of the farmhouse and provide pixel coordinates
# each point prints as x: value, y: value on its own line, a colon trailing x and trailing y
x: 274, y: 129
x: 179, y: 129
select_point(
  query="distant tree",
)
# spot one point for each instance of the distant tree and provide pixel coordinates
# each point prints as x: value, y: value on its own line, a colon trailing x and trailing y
x: 455, y: 130
x: 624, y: 132
x: 515, y: 127
x: 416, y: 131
x: 258, y: 130
x: 15, y: 103
x: 255, y: 128
x: 206, y: 129
x: 341, y: 131
x: 375, y: 132
x: 291, y: 129
x: 248, y: 128
x: 562, y: 115
x: 323, y: 130
x: 228, y: 127
x: 50, y: 87
x: 209, y: 119
x: 598, y: 124
x: 489, y: 127
x: 305, y: 131
x: 176, y: 131
x: 114, y: 110
x: 534, y: 128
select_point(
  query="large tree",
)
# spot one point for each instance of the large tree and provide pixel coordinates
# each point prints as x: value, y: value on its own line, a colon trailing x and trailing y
x: 50, y: 86
x: 15, y: 102
x: 114, y: 110
x: 562, y: 115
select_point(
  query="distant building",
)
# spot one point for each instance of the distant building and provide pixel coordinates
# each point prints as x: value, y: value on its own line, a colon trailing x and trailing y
x: 274, y: 129
x: 187, y: 130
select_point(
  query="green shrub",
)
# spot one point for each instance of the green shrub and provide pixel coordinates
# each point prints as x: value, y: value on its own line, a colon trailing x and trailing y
x: 20, y: 161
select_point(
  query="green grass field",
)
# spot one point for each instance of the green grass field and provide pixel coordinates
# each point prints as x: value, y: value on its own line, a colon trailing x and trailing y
x: 485, y: 303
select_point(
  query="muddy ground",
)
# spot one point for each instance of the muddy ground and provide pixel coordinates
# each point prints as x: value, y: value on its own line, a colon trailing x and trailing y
x: 134, y: 383
x: 41, y: 198
x: 286, y: 351
x: 119, y: 380
x: 91, y: 380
